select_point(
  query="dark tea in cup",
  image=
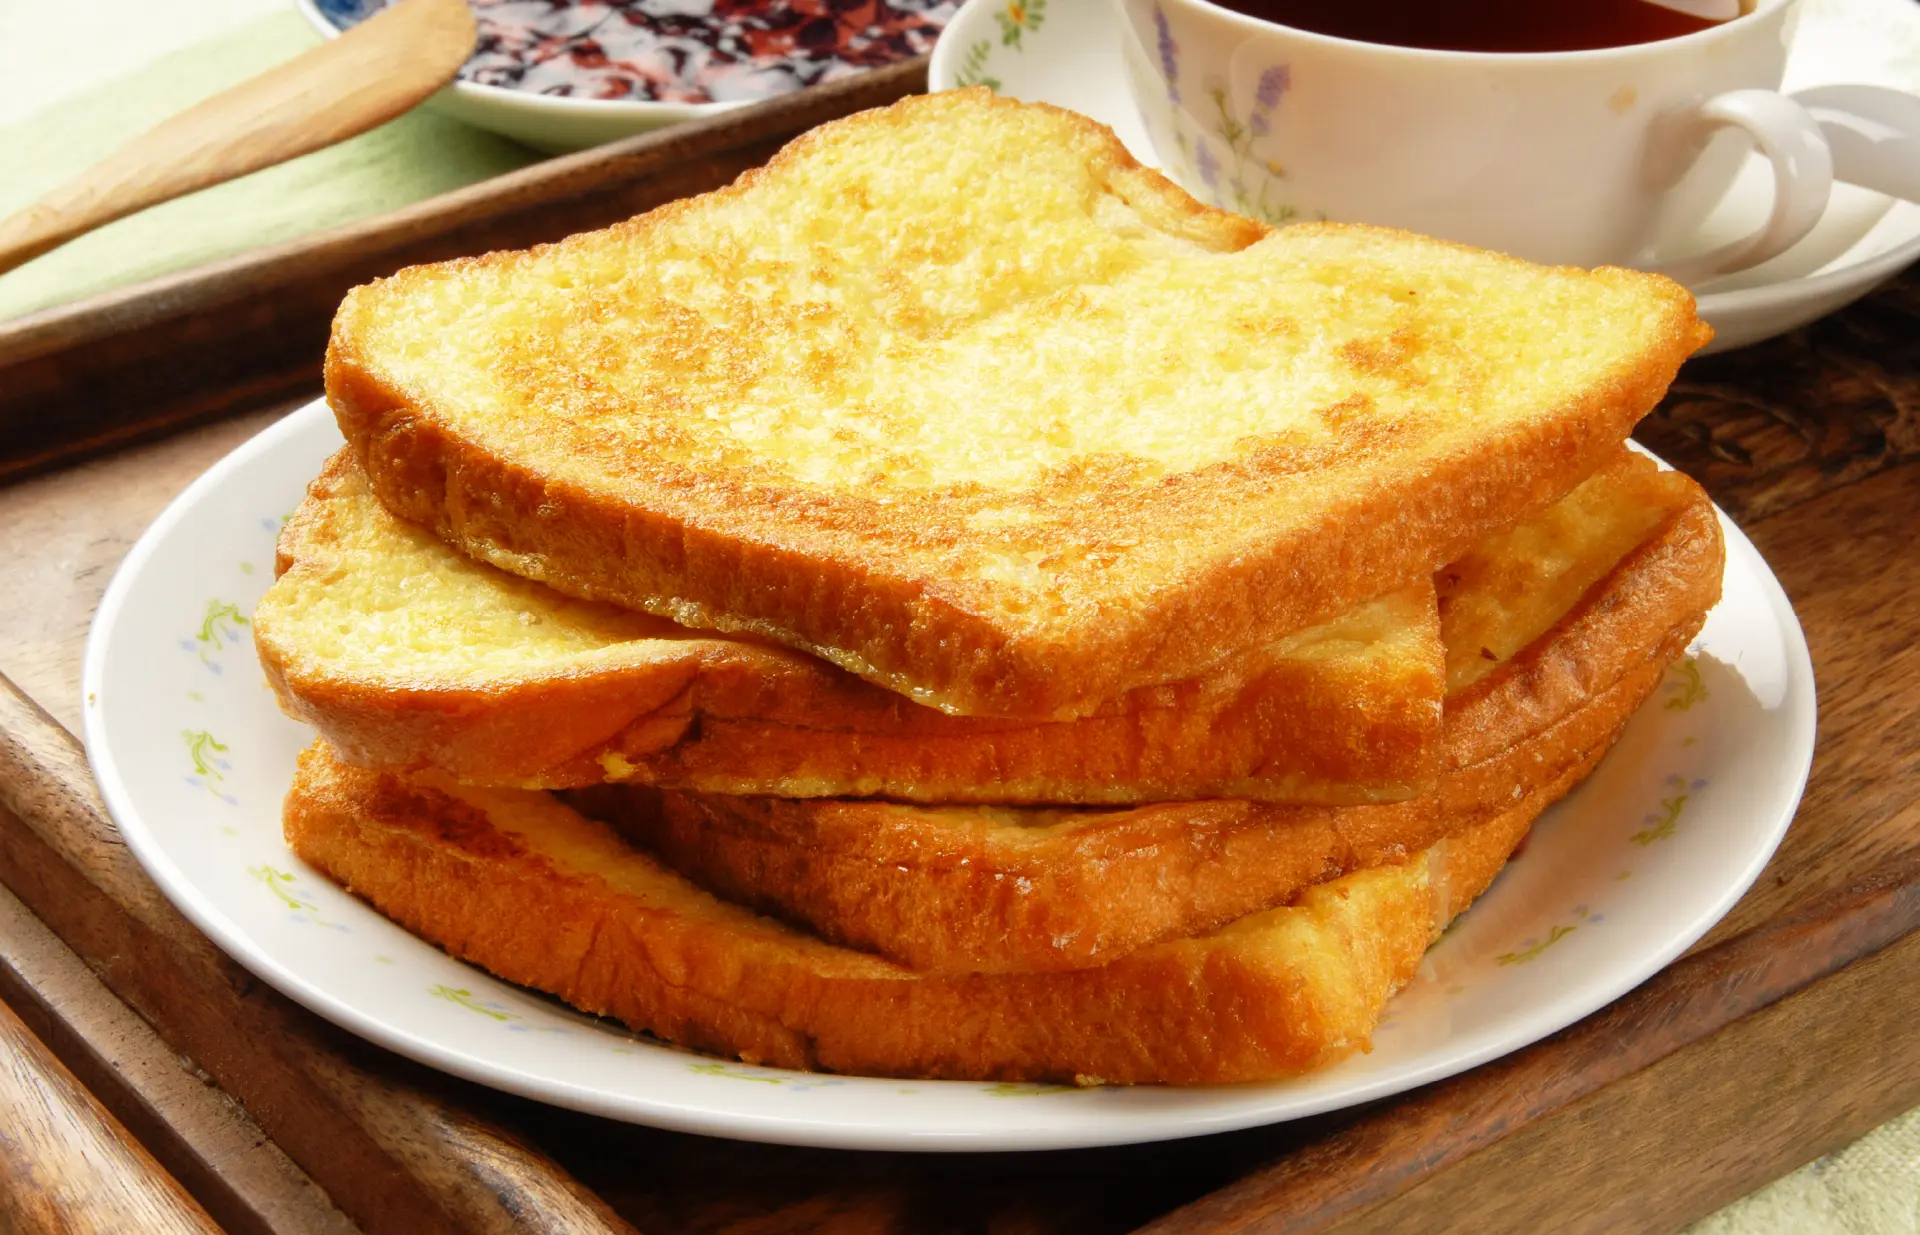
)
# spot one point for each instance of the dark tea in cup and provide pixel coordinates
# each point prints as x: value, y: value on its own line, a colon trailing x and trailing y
x: 1482, y: 25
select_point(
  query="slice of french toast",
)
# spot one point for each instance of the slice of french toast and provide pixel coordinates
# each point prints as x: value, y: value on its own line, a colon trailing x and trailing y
x: 1628, y: 564
x: 519, y: 884
x: 957, y: 396
x: 403, y: 653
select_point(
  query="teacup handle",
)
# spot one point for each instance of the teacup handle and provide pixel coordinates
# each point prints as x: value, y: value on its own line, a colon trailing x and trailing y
x: 1789, y: 138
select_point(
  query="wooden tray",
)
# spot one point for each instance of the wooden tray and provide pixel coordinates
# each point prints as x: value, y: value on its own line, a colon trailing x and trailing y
x: 1786, y: 1033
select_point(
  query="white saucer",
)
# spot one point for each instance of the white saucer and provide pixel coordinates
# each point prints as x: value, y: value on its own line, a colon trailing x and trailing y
x: 193, y: 759
x: 1067, y: 53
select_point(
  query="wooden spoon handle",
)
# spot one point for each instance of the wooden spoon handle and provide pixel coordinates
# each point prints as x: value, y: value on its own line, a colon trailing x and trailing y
x: 370, y: 74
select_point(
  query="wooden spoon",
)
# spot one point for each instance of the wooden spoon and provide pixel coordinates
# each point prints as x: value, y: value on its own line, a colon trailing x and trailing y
x: 370, y: 74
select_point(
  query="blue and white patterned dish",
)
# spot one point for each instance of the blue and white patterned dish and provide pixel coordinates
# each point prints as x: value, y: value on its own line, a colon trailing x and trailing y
x: 193, y: 758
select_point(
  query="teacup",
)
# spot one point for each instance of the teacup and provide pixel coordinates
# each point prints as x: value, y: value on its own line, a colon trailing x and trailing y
x: 1578, y: 158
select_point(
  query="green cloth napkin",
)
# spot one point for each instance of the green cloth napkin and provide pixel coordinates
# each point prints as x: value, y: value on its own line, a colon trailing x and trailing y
x: 408, y: 159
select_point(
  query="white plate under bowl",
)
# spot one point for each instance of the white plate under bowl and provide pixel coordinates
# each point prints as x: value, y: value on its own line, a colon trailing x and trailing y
x: 1068, y: 54
x: 193, y: 758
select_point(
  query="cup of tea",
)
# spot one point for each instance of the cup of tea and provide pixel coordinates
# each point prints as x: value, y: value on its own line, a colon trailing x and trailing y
x: 1563, y: 131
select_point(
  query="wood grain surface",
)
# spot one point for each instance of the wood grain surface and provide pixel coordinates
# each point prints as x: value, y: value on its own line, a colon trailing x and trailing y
x: 196, y: 1132
x: 1776, y: 424
x: 66, y: 1166
x: 1675, y: 1141
x: 1848, y: 563
x: 1785, y: 1032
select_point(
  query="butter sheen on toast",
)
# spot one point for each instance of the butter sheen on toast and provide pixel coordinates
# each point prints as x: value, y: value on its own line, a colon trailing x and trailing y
x: 405, y: 654
x: 956, y: 396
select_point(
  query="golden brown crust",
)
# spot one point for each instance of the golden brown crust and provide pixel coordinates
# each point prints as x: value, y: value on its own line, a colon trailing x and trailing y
x: 1644, y: 611
x: 993, y: 891
x: 518, y: 884
x: 1033, y: 891
x: 454, y: 665
x: 609, y: 491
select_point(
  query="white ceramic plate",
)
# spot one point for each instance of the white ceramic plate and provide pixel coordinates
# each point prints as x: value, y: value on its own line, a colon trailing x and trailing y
x: 1066, y: 52
x: 193, y: 758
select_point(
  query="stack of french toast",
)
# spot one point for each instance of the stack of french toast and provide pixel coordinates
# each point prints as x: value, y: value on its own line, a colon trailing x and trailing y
x: 950, y: 605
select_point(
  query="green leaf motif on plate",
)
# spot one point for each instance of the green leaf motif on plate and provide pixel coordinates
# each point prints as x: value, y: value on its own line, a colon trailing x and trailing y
x: 1685, y: 688
x: 285, y: 888
x: 1661, y: 823
x: 717, y: 1068
x: 203, y: 748
x: 1014, y: 1089
x: 805, y: 1082
x: 1533, y: 948
x: 219, y: 628
x: 280, y: 883
x: 211, y: 769
x: 465, y: 998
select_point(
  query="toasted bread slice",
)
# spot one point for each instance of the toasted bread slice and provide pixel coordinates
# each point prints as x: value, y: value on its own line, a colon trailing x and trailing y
x: 1550, y: 613
x: 404, y: 654
x: 956, y: 395
x: 1632, y: 560
x: 517, y: 883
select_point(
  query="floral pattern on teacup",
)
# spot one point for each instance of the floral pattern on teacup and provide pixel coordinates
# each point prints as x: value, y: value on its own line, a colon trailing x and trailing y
x: 1169, y: 52
x: 1245, y: 181
x: 973, y: 67
x: 1019, y: 17
x: 1225, y: 150
x: 1016, y: 19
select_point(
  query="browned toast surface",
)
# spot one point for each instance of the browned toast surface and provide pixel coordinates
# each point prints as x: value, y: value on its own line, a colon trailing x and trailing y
x: 957, y: 396
x: 519, y: 884
x: 1633, y: 560
x: 406, y: 654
